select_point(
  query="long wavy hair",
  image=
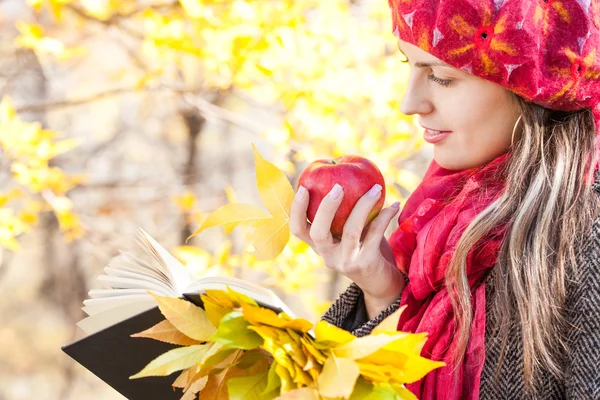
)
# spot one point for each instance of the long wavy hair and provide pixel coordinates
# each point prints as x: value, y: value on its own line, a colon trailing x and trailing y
x: 548, y: 208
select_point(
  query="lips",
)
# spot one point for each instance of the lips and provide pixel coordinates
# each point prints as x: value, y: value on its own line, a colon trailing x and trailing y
x: 434, y: 136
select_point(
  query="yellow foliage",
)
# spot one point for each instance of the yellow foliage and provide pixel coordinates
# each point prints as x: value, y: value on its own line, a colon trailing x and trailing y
x: 186, y: 317
x: 175, y: 360
x: 256, y: 353
x: 11, y: 226
x: 186, y: 201
x: 33, y: 37
x: 272, y: 231
x: 29, y: 150
x: 338, y: 377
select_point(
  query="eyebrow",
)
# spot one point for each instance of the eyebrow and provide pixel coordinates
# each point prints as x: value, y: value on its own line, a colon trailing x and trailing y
x: 434, y: 63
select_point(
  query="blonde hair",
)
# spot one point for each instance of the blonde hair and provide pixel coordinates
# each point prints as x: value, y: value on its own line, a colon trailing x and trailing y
x: 549, y: 208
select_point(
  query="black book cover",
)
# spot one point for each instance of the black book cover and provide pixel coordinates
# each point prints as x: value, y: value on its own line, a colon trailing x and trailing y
x: 113, y: 356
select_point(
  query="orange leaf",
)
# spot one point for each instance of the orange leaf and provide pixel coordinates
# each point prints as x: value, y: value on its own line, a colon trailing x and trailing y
x: 166, y: 332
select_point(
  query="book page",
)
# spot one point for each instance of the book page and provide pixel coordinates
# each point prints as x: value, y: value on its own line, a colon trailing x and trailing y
x: 135, y: 275
x: 119, y: 282
x: 95, y: 306
x: 114, y: 315
x: 179, y: 275
x: 100, y: 293
x: 131, y: 263
x: 252, y: 290
x: 128, y: 279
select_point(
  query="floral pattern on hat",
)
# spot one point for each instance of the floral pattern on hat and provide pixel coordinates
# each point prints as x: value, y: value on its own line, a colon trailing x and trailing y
x: 543, y: 50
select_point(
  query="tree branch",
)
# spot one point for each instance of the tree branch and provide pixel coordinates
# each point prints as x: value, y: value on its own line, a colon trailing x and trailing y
x: 74, y: 102
x: 116, y: 20
x: 208, y: 110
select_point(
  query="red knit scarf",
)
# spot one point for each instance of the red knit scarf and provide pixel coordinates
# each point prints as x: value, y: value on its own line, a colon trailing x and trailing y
x: 430, y: 225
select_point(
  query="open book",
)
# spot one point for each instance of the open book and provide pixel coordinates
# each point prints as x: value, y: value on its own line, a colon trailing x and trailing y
x: 128, y: 278
x: 124, y: 307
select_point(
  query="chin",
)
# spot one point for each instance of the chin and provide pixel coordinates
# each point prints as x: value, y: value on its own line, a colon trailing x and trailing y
x: 457, y: 161
x: 452, y: 163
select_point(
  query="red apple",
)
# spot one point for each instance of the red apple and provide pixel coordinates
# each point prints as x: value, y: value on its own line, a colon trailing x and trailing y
x: 355, y: 174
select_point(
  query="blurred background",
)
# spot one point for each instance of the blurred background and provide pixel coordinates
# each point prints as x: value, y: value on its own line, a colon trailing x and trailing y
x: 119, y: 114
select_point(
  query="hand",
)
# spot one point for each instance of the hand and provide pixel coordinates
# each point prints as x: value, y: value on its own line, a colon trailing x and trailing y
x: 362, y: 254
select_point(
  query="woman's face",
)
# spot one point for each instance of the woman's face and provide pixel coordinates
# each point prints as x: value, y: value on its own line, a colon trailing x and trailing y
x: 477, y: 115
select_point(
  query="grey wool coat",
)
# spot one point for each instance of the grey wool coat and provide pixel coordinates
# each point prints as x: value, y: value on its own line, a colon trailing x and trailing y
x: 582, y: 362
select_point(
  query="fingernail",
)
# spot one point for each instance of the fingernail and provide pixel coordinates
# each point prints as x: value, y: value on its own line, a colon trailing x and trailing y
x: 375, y: 190
x: 301, y: 193
x: 336, y: 192
x: 396, y: 205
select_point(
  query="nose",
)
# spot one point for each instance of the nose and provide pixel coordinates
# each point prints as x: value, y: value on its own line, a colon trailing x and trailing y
x: 416, y: 100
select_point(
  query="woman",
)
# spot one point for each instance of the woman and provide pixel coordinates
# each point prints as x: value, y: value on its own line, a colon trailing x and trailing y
x: 497, y: 252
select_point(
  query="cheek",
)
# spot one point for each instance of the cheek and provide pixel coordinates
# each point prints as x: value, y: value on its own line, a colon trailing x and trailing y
x: 487, y: 119
x: 482, y: 132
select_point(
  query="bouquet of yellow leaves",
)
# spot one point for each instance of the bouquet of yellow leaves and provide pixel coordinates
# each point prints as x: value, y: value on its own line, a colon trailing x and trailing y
x: 235, y: 349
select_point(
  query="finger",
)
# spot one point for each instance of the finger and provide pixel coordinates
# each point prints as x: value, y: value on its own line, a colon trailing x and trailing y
x: 355, y: 224
x: 299, y: 225
x: 378, y: 226
x: 320, y: 230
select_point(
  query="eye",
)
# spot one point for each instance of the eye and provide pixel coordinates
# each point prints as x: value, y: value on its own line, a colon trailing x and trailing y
x: 443, y: 82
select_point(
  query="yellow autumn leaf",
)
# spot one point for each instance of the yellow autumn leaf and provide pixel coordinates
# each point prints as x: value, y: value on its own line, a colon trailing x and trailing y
x: 63, y: 146
x: 165, y: 331
x: 413, y: 343
x: 193, y: 8
x: 363, y: 346
x: 223, y: 252
x: 265, y: 316
x: 220, y: 361
x: 174, y: 360
x: 313, y: 352
x: 403, y: 392
x: 10, y: 195
x: 216, y: 387
x: 231, y: 196
x: 338, y: 377
x: 390, y: 323
x: 304, y: 393
x: 214, y: 311
x: 271, y: 233
x: 7, y: 111
x: 186, y: 201
x: 402, y: 367
x: 270, y: 238
x: 374, y: 372
x: 220, y: 298
x: 273, y: 186
x: 239, y: 298
x: 409, y: 370
x: 188, y: 318
x: 232, y: 215
x: 247, y: 387
x: 287, y: 381
x: 326, y: 332
x: 273, y: 380
x: 192, y: 391
x: 185, y: 377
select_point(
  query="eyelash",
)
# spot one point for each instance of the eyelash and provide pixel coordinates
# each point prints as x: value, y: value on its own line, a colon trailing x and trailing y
x: 443, y: 82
